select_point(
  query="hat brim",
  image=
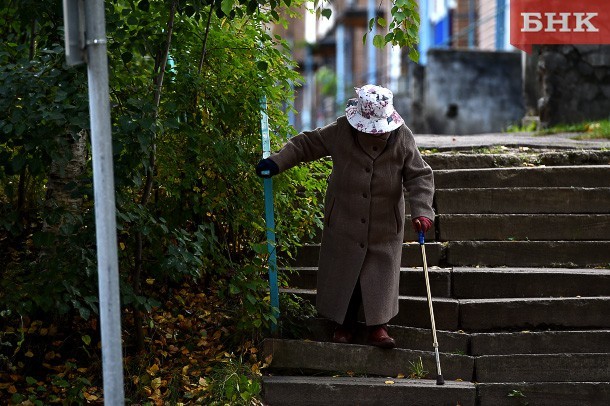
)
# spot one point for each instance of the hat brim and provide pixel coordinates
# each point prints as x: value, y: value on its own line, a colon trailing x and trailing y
x: 372, y: 125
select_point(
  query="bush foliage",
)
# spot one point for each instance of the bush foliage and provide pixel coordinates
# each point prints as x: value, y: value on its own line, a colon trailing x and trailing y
x: 186, y: 139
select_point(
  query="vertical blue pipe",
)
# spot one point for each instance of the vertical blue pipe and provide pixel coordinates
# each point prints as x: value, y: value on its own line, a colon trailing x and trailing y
x: 371, y: 54
x: 424, y: 32
x: 340, y: 62
x: 270, y: 219
x: 471, y: 23
x: 447, y: 26
x: 500, y: 21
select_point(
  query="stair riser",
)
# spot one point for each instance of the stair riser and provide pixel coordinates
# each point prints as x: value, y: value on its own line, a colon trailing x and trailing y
x: 548, y: 342
x: 338, y: 392
x: 485, y: 283
x: 361, y: 360
x: 479, y: 316
x: 529, y: 253
x: 524, y: 227
x: 534, y: 314
x: 445, y: 161
x: 522, y: 201
x: 544, y: 394
x: 568, y: 176
x: 482, y: 284
x: 543, y: 368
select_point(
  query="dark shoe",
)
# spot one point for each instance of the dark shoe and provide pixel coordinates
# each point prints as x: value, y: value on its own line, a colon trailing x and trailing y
x: 378, y: 336
x: 342, y: 335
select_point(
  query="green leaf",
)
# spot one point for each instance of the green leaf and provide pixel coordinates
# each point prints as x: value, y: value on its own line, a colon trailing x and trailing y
x: 378, y: 41
x: 382, y: 22
x: 126, y: 57
x: 262, y: 65
x: 144, y: 5
x: 327, y: 12
x: 86, y: 339
x: 414, y: 55
x: 227, y: 6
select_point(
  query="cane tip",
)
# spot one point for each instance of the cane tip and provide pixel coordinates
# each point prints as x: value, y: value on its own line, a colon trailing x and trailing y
x: 440, y: 380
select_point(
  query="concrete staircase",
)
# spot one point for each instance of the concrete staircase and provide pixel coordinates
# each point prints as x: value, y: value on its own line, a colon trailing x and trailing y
x: 520, y: 271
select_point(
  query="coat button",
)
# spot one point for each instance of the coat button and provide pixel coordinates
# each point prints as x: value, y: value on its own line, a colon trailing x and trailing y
x: 361, y: 245
x: 363, y: 221
x: 365, y: 195
x: 368, y: 170
x: 374, y: 148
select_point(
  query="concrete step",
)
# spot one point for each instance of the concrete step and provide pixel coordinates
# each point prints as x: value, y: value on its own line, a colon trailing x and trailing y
x: 475, y: 344
x: 516, y: 158
x: 589, y: 176
x: 411, y: 338
x: 539, y: 342
x: 308, y: 254
x: 541, y: 227
x: 544, y: 394
x: 525, y: 200
x: 412, y: 281
x: 482, y: 283
x: 413, y: 310
x: 529, y: 253
x: 529, y: 313
x: 543, y: 368
x: 360, y: 391
x: 496, y: 314
x: 311, y: 356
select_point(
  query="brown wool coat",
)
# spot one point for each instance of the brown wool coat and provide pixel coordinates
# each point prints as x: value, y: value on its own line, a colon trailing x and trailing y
x: 364, y: 213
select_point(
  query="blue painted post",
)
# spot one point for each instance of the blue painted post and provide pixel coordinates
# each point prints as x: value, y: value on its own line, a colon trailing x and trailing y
x: 340, y: 61
x: 270, y: 219
x: 371, y: 52
x: 471, y: 23
x: 424, y: 32
x: 500, y: 21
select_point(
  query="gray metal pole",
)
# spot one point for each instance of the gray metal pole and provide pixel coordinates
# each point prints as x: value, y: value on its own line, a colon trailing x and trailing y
x: 105, y: 208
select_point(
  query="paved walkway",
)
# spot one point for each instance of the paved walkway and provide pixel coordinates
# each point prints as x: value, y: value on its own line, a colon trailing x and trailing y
x: 553, y: 141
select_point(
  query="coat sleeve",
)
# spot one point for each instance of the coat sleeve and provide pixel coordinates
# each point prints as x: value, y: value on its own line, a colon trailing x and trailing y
x: 418, y: 180
x: 305, y: 147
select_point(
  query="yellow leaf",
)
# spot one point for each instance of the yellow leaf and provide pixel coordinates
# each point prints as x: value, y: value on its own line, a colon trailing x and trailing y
x: 122, y: 246
x: 156, y: 383
x: 150, y: 281
x: 389, y: 382
x: 400, y: 376
x: 29, y: 354
x: 152, y: 371
x: 90, y: 397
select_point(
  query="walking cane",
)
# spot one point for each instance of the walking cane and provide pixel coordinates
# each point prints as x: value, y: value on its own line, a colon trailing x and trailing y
x: 270, y: 219
x: 439, y: 374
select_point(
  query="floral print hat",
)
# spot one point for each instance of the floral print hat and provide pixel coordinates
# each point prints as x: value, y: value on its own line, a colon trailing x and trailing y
x: 373, y: 112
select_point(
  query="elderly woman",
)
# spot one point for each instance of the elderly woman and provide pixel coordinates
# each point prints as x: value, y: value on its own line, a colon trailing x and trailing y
x: 374, y: 156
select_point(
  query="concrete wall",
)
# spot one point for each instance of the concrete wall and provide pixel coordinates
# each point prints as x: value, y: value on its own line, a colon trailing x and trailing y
x: 574, y: 83
x: 471, y: 92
